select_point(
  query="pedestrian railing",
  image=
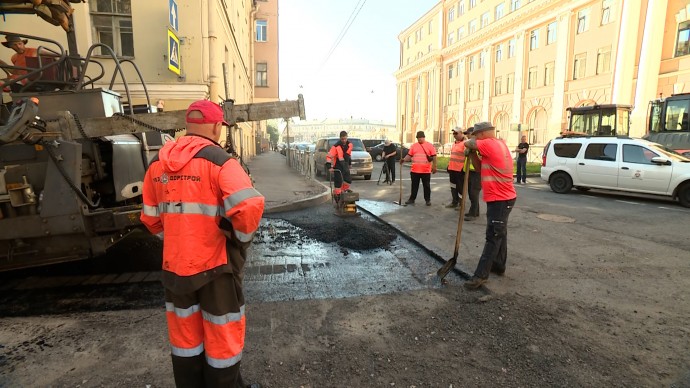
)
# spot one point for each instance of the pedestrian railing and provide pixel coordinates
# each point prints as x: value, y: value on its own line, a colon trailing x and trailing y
x: 303, y: 162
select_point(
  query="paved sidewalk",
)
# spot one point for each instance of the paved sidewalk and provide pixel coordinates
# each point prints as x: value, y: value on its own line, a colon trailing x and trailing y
x: 283, y: 187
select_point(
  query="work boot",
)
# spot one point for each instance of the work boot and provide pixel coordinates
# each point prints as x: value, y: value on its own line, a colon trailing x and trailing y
x: 470, y: 218
x: 494, y: 270
x: 428, y: 203
x: 409, y: 202
x: 474, y: 283
x: 452, y: 205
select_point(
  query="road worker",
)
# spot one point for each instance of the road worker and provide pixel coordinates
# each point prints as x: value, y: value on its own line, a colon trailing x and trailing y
x: 199, y: 200
x: 455, y: 168
x: 340, y: 158
x: 496, y: 166
x: 423, y: 157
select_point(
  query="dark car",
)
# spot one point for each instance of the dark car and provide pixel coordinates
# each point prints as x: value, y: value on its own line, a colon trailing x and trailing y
x: 371, y: 143
x: 377, y: 152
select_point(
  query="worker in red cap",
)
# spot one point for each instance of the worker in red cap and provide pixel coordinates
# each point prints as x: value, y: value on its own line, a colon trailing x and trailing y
x: 199, y: 200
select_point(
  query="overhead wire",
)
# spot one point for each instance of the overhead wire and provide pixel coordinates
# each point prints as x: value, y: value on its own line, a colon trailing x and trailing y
x: 346, y: 27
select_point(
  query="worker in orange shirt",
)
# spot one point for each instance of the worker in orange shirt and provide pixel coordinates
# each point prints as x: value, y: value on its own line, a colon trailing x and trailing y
x: 18, y: 59
x: 340, y: 158
x: 496, y: 166
x: 200, y: 201
x: 423, y: 157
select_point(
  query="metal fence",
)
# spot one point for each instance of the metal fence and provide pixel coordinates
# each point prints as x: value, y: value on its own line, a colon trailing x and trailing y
x: 302, y: 161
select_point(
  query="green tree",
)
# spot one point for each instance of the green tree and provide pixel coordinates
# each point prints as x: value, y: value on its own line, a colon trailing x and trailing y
x: 272, y: 130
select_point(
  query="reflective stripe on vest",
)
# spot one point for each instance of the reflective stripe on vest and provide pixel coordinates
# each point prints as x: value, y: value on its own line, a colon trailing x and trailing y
x: 236, y: 198
x: 183, y: 208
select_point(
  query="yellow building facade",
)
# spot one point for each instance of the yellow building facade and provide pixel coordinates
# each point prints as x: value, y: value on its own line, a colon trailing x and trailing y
x: 215, y: 55
x: 520, y: 63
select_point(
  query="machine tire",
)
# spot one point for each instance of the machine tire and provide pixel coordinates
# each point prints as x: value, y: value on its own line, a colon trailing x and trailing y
x: 367, y: 177
x: 684, y: 194
x: 379, y: 157
x: 561, y: 182
x: 580, y: 188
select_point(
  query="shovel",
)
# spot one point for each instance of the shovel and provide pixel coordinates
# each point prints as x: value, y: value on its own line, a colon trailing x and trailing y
x: 450, y: 264
x: 400, y: 202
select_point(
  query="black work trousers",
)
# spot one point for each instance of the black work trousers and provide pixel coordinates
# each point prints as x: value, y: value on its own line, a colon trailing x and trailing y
x: 426, y: 182
x: 474, y: 186
x: 341, y: 173
x: 495, y: 250
x: 457, y: 180
x: 390, y: 173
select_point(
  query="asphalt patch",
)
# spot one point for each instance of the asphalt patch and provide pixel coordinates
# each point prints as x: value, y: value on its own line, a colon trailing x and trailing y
x: 321, y: 224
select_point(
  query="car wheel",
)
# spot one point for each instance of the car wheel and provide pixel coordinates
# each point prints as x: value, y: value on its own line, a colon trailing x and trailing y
x: 379, y: 158
x: 367, y: 177
x: 561, y: 183
x: 318, y: 173
x: 582, y: 188
x: 684, y: 195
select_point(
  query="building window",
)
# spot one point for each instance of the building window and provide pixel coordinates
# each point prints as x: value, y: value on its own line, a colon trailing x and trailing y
x: 551, y: 32
x: 429, y: 49
x: 261, y: 30
x: 583, y: 20
x: 499, y: 53
x: 473, y: 3
x: 430, y: 27
x: 112, y: 26
x: 683, y: 43
x: 451, y: 14
x: 482, y: 59
x: 497, y: 86
x: 603, y: 60
x: 532, y: 79
x: 457, y: 69
x: 580, y: 66
x: 261, y: 74
x: 449, y: 100
x: 548, y: 73
x: 451, y: 38
x: 484, y: 20
x: 510, y: 82
x: 461, y: 32
x: 511, y: 48
x: 461, y: 8
x: 450, y: 71
x: 471, y: 63
x: 480, y: 90
x: 499, y: 11
x: 470, y: 92
x: 606, y: 12
x: 472, y: 26
x: 418, y: 35
x: 514, y: 5
x: 409, y: 38
x: 533, y: 40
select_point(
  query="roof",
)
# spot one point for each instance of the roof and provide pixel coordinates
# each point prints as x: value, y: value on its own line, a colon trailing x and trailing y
x: 597, y: 107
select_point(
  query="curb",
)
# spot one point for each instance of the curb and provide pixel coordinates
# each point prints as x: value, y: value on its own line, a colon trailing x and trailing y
x: 302, y: 203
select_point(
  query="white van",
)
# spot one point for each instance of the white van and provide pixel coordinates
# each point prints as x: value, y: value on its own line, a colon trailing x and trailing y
x: 616, y: 163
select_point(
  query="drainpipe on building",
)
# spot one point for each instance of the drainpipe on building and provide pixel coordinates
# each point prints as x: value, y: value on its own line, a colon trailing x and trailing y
x: 204, y: 41
x: 213, y: 88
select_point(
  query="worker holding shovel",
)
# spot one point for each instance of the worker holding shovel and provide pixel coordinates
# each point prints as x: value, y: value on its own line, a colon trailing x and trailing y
x: 496, y: 166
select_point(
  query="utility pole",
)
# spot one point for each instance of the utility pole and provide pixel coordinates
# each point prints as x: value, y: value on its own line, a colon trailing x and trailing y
x: 287, y: 136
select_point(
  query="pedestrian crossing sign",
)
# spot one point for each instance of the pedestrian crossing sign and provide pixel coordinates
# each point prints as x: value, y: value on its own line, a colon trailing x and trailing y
x: 173, y: 53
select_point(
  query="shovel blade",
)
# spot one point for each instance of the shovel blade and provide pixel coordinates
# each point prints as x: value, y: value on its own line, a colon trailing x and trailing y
x: 450, y: 264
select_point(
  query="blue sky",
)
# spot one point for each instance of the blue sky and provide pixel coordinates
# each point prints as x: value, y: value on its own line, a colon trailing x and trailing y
x: 357, y: 80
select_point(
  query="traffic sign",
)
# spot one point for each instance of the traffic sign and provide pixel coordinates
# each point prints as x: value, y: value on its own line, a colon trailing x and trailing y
x: 173, y: 53
x: 172, y: 15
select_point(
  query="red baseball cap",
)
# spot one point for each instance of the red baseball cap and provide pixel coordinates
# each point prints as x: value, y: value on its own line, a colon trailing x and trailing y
x: 212, y: 113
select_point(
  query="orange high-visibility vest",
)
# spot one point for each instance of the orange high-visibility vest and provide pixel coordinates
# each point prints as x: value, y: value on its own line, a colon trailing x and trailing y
x: 497, y: 170
x: 457, y: 156
x: 336, y: 154
x: 188, y: 189
x: 418, y: 153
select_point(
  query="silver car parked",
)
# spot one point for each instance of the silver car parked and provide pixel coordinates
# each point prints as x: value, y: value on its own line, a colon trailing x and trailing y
x: 361, y: 160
